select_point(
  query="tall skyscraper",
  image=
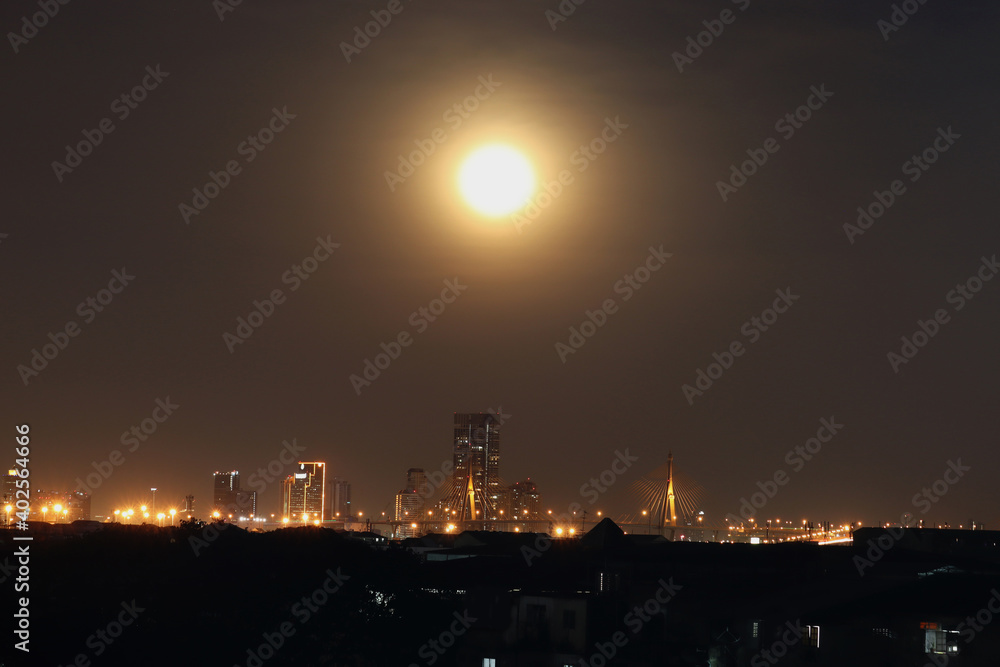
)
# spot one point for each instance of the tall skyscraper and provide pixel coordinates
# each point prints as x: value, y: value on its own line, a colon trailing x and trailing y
x: 477, y: 457
x: 304, y: 492
x: 225, y: 488
x: 339, y: 499
x: 229, y: 499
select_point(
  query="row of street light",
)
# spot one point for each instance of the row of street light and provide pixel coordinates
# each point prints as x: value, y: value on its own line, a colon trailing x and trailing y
x: 144, y: 513
x: 59, y: 513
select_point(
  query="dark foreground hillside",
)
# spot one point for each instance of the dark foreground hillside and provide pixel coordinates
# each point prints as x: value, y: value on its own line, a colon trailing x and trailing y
x: 139, y: 595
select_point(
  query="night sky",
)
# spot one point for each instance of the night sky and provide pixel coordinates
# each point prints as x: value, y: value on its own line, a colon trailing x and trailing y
x: 879, y: 97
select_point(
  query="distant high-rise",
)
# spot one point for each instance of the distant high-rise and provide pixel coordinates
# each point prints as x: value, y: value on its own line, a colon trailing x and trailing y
x: 410, y: 502
x: 416, y: 481
x: 79, y: 505
x: 59, y: 506
x: 246, y: 501
x: 408, y: 511
x: 304, y: 492
x: 229, y: 499
x: 476, y: 453
x: 523, y: 501
x: 226, y: 487
x: 339, y: 499
x: 8, y: 485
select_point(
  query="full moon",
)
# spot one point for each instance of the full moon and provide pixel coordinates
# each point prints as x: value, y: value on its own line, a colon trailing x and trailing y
x: 496, y: 180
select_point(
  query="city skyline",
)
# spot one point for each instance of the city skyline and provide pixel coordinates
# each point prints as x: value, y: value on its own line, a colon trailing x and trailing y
x: 732, y: 237
x: 473, y: 434
x: 390, y: 332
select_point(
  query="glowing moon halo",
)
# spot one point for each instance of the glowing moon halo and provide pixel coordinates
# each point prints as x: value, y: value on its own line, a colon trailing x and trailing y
x: 496, y: 180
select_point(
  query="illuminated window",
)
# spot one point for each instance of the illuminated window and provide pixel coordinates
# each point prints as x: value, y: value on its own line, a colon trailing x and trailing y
x: 489, y: 662
x: 810, y: 636
x: 941, y: 641
x: 756, y: 629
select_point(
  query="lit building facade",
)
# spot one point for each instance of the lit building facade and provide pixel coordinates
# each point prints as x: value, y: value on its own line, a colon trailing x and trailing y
x: 409, y: 507
x: 523, y: 501
x: 8, y: 488
x: 476, y: 456
x: 304, y: 492
x: 59, y: 506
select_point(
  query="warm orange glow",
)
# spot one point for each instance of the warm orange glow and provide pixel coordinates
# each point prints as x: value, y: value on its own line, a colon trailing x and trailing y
x: 496, y: 180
